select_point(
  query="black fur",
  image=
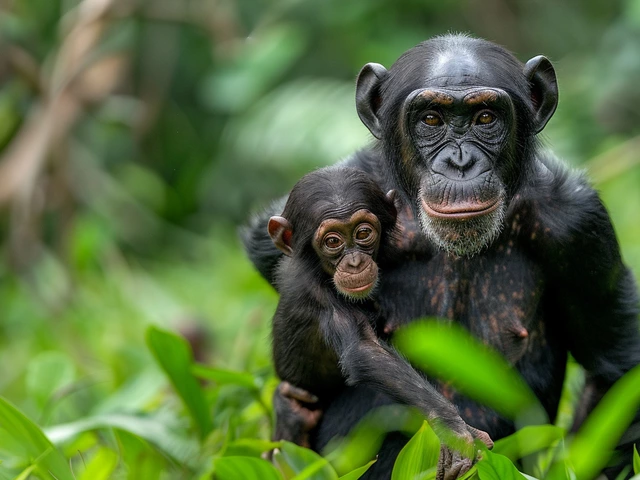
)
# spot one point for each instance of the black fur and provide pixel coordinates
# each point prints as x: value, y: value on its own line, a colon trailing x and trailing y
x: 323, y: 339
x: 553, y: 269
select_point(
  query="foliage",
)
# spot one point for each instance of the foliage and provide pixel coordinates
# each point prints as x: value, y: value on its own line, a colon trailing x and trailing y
x: 135, y: 136
x: 229, y: 456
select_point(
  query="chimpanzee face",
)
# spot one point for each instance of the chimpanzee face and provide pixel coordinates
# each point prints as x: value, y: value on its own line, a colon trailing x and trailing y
x: 456, y: 119
x: 457, y: 136
x: 333, y: 224
x: 347, y: 250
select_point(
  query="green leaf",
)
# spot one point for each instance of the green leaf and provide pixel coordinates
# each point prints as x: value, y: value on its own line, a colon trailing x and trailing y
x: 418, y: 455
x: 151, y: 429
x: 135, y: 394
x: 142, y: 461
x: 497, y: 467
x: 245, y: 468
x: 528, y: 440
x: 301, y: 463
x: 594, y: 443
x: 101, y: 465
x: 226, y: 377
x: 174, y: 355
x: 358, y: 472
x: 624, y: 473
x: 249, y: 447
x: 47, y: 373
x: 449, y: 352
x: 48, y: 460
x: 364, y: 441
x: 636, y: 460
x: 24, y: 475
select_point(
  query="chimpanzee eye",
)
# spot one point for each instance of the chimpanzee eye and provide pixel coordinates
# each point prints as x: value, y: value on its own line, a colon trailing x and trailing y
x: 485, y: 118
x: 333, y: 241
x: 363, y: 233
x: 432, y: 120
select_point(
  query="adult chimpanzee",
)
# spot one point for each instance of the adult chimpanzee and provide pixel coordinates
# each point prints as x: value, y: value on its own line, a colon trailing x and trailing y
x: 516, y: 248
x: 337, y: 224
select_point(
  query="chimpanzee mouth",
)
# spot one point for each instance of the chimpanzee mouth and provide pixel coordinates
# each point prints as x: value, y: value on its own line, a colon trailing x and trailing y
x: 359, y: 290
x: 357, y: 285
x: 461, y: 230
x: 460, y: 211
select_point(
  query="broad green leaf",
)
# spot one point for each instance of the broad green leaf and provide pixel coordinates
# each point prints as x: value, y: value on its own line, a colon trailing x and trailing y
x: 244, y: 468
x: 153, y: 430
x: 528, y: 440
x: 226, y: 377
x: 47, y: 373
x: 594, y: 443
x: 364, y: 441
x: 636, y: 460
x: 303, y: 463
x: 449, y: 352
x: 285, y: 470
x: 101, y: 465
x: 33, y: 442
x: 419, y: 455
x: 358, y: 472
x: 173, y: 354
x: 317, y: 471
x: 497, y: 467
x: 249, y: 447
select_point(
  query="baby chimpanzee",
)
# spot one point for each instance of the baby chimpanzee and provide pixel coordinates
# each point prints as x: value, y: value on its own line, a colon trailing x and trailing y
x: 336, y: 227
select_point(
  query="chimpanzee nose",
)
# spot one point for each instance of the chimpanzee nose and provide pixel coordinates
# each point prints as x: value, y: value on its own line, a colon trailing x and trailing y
x: 460, y: 157
x: 354, y: 260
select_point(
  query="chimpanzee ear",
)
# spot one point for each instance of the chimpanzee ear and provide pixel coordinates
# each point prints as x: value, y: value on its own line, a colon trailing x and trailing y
x: 368, y: 98
x: 392, y: 196
x: 544, y: 89
x: 281, y: 233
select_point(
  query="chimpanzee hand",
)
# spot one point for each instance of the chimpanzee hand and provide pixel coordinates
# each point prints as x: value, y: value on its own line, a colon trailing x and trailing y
x: 453, y: 464
x: 296, y: 414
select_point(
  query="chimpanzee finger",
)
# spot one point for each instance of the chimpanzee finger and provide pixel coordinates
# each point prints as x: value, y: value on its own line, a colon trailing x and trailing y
x: 482, y: 436
x: 296, y: 393
x: 444, y: 462
x: 459, y: 466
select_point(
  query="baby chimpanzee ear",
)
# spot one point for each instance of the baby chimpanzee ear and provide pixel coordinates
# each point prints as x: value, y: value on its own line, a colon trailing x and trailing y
x: 394, y: 198
x: 281, y: 233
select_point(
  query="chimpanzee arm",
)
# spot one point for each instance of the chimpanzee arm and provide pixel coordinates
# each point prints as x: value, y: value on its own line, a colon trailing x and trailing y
x: 595, y: 292
x: 258, y: 244
x: 365, y: 360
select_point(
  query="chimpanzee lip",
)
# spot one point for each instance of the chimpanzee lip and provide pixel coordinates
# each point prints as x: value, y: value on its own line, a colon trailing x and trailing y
x: 461, y: 211
x: 359, y: 289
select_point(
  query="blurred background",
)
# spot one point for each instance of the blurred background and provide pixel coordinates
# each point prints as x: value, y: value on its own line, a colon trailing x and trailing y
x: 136, y: 136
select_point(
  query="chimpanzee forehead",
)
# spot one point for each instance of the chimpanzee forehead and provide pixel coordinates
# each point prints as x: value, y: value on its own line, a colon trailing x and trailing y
x: 451, y: 66
x: 458, y: 68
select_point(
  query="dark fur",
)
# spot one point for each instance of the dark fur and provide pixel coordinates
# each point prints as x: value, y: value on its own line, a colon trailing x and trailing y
x: 555, y: 269
x: 323, y: 339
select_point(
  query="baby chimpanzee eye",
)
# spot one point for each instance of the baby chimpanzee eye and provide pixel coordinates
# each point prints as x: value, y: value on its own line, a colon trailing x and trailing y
x: 363, y: 233
x: 333, y: 241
